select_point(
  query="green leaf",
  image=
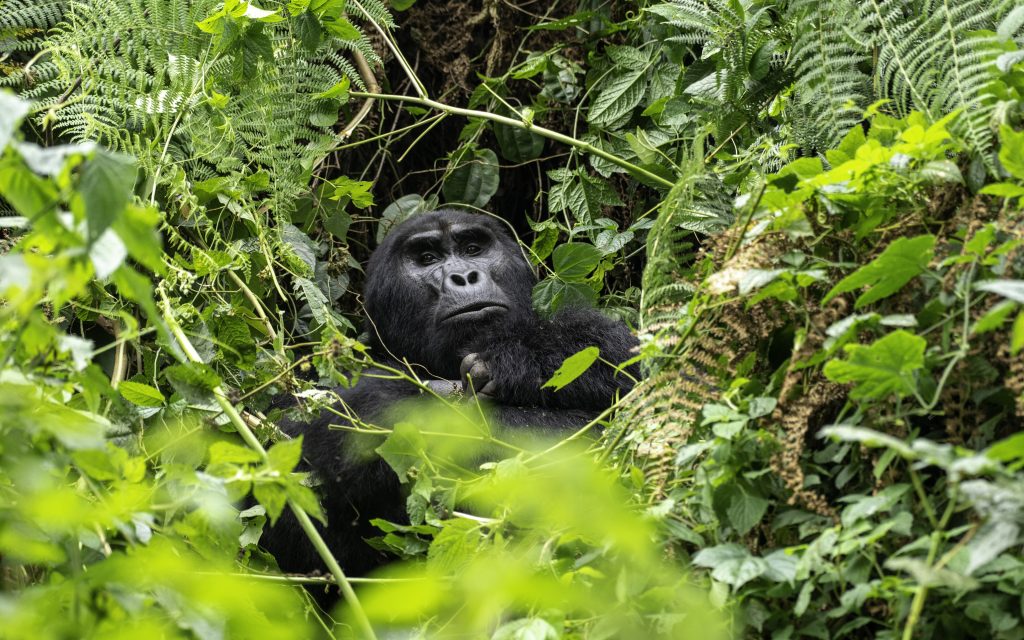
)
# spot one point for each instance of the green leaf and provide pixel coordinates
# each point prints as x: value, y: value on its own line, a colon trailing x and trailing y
x: 1003, y: 190
x: 731, y: 564
x: 273, y: 498
x: 474, y: 181
x: 517, y: 144
x: 140, y: 394
x: 881, y: 369
x: 342, y: 28
x: 1011, y: 289
x: 1017, y: 334
x: 618, y: 97
x: 195, y: 382
x: 1011, y: 153
x: 1008, y: 449
x: 12, y: 110
x: 106, y: 186
x: 552, y: 294
x: 574, y: 261
x: 573, y: 367
x: 742, y: 508
x: 285, y: 455
x: 230, y: 453
x: 901, y: 261
x: 403, y: 449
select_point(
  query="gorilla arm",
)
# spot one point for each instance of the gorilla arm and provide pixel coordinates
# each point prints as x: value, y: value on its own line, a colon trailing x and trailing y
x: 516, y: 362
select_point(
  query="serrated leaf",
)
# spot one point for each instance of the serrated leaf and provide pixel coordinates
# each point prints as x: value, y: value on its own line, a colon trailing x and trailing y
x: 106, y: 186
x: 740, y: 506
x: 285, y: 455
x: 140, y: 394
x: 1011, y: 153
x: 553, y: 294
x: 574, y: 261
x: 475, y: 181
x: 273, y: 498
x: 195, y: 382
x: 731, y: 564
x: 403, y: 449
x: 573, y: 367
x: 901, y: 261
x: 231, y: 453
x: 620, y: 95
x: 884, y: 368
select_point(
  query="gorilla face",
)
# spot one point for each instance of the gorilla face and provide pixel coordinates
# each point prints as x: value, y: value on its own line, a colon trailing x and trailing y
x: 439, y: 283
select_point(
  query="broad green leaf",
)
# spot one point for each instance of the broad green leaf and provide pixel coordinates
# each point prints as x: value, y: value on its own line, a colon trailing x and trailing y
x: 303, y: 497
x: 140, y: 394
x: 884, y: 368
x: 106, y: 186
x: 573, y: 367
x: 12, y: 110
x: 517, y: 144
x: 574, y: 261
x: 731, y: 564
x: 401, y: 210
x: 29, y: 194
x: 617, y: 97
x: 475, y: 181
x: 285, y: 455
x: 1011, y: 289
x: 1011, y: 153
x: 552, y: 294
x: 740, y: 506
x: 1003, y: 190
x: 342, y: 28
x: 273, y: 498
x: 403, y: 449
x: 994, y: 317
x: 901, y: 261
x: 195, y: 382
x: 230, y: 453
x: 1008, y: 449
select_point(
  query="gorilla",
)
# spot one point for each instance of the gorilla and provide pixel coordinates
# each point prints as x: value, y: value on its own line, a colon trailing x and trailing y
x: 448, y: 292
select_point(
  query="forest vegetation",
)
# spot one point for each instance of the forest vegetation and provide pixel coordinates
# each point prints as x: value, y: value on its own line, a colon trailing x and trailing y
x: 808, y: 212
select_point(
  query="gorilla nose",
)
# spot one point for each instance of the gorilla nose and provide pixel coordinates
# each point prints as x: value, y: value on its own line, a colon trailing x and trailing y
x: 465, y: 280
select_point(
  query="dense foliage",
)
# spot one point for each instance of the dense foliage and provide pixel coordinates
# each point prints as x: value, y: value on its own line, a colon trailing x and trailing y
x: 809, y: 211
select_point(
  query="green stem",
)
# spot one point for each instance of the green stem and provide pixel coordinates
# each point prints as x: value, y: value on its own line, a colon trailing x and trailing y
x: 921, y: 593
x: 250, y: 439
x: 639, y: 172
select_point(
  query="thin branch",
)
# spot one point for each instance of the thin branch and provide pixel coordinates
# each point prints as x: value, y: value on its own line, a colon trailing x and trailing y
x: 639, y: 172
x: 371, y: 85
x: 250, y: 439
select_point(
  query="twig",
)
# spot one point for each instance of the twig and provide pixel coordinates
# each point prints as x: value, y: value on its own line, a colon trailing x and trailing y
x: 250, y: 439
x: 371, y: 85
x: 528, y: 126
x: 257, y: 307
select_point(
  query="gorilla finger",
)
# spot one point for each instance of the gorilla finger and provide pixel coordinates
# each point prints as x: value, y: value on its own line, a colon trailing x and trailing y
x: 489, y: 389
x: 467, y: 364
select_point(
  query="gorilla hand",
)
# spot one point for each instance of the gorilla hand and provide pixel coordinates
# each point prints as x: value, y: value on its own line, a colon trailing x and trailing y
x: 476, y: 375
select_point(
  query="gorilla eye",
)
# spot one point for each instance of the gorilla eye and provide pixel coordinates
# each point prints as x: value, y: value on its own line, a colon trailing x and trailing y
x: 472, y: 249
x: 428, y: 257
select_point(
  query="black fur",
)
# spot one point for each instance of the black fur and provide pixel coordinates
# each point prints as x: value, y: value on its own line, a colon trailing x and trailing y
x: 508, y: 354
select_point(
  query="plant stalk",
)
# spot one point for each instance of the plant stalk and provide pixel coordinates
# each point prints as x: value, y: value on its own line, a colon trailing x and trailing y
x: 253, y: 442
x: 585, y: 147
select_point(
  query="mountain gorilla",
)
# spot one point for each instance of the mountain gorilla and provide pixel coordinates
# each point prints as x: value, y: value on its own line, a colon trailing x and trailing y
x: 450, y: 293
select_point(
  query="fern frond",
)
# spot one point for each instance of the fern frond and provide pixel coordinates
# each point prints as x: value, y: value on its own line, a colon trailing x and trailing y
x: 936, y: 56
x: 830, y: 88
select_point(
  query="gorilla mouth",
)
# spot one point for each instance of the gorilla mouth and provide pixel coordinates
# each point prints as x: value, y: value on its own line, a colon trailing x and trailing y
x: 475, y: 311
